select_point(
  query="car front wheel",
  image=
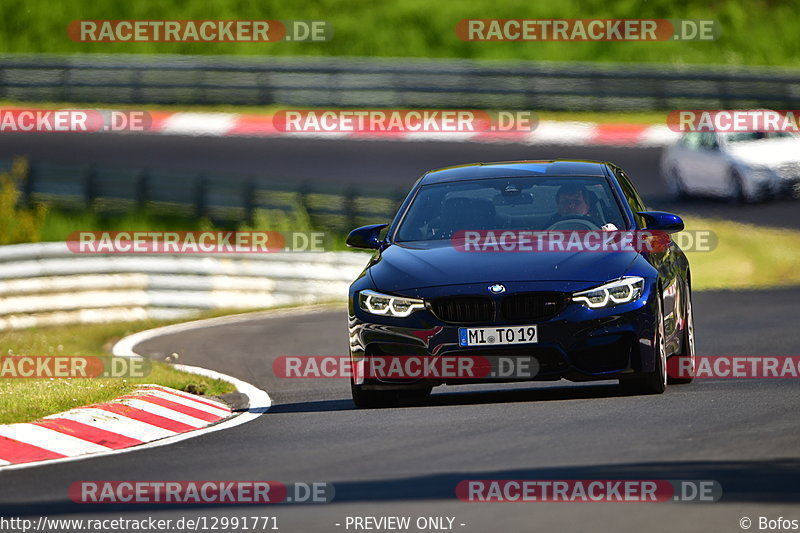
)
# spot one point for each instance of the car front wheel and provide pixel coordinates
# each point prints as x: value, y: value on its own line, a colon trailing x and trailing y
x: 372, y: 399
x: 736, y: 187
x: 675, y: 184
x: 654, y: 382
x: 683, y: 368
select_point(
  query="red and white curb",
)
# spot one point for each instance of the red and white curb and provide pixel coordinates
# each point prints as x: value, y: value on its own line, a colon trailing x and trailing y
x: 547, y: 132
x: 208, y: 124
x: 150, y: 413
x: 259, y: 401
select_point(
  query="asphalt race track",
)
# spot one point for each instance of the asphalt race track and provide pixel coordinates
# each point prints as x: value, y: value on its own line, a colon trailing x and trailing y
x: 407, y: 461
x: 381, y: 163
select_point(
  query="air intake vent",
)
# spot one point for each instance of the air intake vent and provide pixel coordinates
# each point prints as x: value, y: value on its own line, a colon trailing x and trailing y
x: 464, y: 309
x: 533, y: 306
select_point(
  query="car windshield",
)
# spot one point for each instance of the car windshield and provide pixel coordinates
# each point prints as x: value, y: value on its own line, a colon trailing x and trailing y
x: 438, y: 211
x: 750, y: 136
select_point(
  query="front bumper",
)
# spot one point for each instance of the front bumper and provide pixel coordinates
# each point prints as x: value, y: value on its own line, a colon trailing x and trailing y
x: 578, y: 344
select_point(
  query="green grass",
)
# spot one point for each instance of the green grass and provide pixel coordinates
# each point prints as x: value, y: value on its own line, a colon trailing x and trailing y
x: 746, y: 257
x: 59, y: 224
x: 23, y: 400
x: 754, y: 32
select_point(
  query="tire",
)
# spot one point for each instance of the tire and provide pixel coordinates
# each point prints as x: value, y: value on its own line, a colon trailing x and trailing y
x: 654, y: 382
x: 372, y: 399
x: 687, y: 352
x: 676, y: 186
x: 738, y: 195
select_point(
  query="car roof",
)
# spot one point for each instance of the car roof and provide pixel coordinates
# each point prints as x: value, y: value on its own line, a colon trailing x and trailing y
x: 506, y: 169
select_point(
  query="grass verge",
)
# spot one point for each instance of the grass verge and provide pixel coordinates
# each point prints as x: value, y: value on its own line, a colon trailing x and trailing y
x: 753, y: 32
x: 746, y: 256
x: 23, y: 400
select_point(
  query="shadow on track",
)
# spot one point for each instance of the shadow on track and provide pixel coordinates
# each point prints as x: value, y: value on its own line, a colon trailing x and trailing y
x: 769, y: 481
x: 573, y: 392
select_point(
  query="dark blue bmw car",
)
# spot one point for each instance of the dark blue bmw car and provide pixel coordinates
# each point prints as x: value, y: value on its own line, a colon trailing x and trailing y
x: 580, y: 315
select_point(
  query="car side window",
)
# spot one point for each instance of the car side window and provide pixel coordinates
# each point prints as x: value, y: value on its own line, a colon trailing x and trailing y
x: 631, y: 196
x: 691, y: 141
x: 708, y: 141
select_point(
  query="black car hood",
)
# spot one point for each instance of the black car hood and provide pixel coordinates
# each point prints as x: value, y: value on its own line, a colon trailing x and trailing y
x: 437, y: 263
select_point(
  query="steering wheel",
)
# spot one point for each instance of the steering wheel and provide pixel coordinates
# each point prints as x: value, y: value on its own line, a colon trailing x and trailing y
x: 570, y: 221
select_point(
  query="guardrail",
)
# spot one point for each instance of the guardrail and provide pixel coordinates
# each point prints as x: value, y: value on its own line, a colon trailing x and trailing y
x: 45, y: 284
x: 374, y: 82
x: 229, y: 197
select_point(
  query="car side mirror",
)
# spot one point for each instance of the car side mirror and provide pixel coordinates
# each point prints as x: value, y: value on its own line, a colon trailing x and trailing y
x: 366, y: 237
x: 661, y: 221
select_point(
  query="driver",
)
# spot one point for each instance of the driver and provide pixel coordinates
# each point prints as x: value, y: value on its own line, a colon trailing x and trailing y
x: 572, y: 201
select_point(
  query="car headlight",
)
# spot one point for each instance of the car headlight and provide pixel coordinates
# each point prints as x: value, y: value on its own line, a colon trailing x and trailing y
x: 620, y: 291
x: 384, y: 304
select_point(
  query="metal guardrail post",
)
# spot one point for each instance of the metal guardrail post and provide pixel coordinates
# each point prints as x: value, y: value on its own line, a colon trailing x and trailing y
x: 89, y: 185
x: 302, y: 198
x: 28, y: 185
x: 248, y: 199
x: 200, y: 203
x: 142, y: 186
x: 136, y: 94
x: 63, y: 93
x: 350, y: 207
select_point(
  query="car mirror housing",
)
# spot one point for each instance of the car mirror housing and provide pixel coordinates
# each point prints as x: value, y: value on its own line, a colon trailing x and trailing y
x: 366, y: 237
x: 661, y: 221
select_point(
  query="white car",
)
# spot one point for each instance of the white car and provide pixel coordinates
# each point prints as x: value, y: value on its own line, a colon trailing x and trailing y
x: 748, y: 166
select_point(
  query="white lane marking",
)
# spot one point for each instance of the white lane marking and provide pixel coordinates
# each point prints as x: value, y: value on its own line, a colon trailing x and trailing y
x: 217, y: 411
x: 658, y: 135
x: 214, y: 124
x: 119, y: 424
x: 50, y: 439
x: 259, y: 400
x: 156, y: 409
x: 552, y: 132
x: 124, y: 347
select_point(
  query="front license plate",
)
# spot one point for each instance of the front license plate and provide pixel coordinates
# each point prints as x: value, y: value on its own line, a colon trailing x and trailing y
x: 497, y: 336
